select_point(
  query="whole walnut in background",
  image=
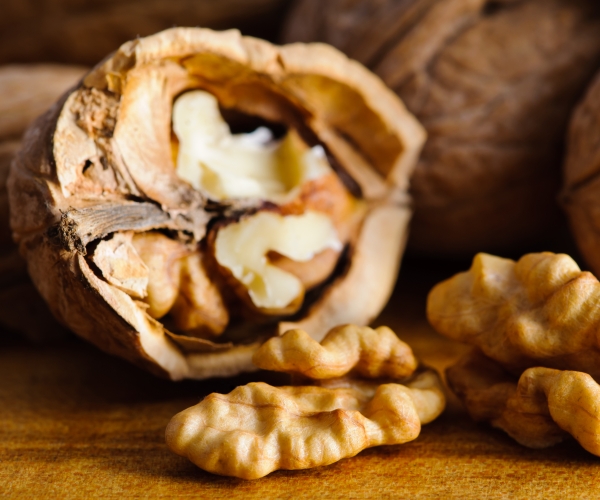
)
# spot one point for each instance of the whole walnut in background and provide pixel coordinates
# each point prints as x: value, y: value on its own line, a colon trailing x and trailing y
x: 494, y: 84
x: 84, y: 32
x: 582, y: 180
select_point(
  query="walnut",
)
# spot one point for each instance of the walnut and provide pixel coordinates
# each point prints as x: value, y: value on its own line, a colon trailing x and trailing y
x: 540, y: 409
x: 67, y: 31
x: 26, y: 91
x: 494, y: 83
x: 582, y: 163
x: 370, y: 353
x: 199, y: 192
x: 531, y: 317
x: 257, y: 428
x: 539, y: 311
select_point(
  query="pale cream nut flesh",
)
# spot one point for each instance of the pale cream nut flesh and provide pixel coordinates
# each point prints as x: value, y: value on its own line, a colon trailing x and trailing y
x: 242, y: 247
x: 227, y: 166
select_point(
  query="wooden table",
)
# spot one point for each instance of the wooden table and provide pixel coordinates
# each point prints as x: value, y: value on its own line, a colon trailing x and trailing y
x: 75, y: 422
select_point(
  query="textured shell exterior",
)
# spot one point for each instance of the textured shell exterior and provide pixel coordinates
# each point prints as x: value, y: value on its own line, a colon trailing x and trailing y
x: 494, y: 84
x: 581, y: 179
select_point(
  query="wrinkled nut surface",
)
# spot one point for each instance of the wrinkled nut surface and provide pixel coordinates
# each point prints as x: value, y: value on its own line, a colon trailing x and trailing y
x: 242, y: 248
x: 257, y: 428
x: 540, y: 409
x: 369, y: 353
x: 177, y: 207
x: 494, y: 84
x: 539, y: 311
x: 581, y: 176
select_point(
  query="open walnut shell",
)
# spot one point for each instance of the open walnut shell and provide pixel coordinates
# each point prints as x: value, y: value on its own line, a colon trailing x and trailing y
x: 539, y: 409
x: 115, y: 238
x: 581, y: 176
x: 494, y: 83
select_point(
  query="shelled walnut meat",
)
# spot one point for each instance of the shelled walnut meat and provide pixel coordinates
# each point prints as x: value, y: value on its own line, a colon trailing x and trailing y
x: 539, y: 409
x: 201, y: 191
x: 494, y: 83
x: 581, y: 176
x: 539, y: 311
x: 535, y: 324
x: 358, y: 388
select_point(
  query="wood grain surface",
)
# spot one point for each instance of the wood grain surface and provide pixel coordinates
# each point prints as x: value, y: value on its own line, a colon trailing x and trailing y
x: 77, y: 423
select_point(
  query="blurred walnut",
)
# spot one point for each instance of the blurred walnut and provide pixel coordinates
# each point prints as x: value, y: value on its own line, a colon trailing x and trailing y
x: 540, y: 409
x: 170, y: 205
x: 84, y: 32
x: 494, y: 83
x: 257, y: 429
x: 581, y: 184
x: 539, y: 311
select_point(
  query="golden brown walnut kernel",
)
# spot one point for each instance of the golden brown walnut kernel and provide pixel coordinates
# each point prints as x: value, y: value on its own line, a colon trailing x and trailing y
x: 540, y: 409
x: 363, y: 351
x: 257, y: 428
x: 177, y: 283
x: 162, y: 257
x: 289, y: 133
x: 494, y: 84
x: 199, y: 309
x: 539, y: 311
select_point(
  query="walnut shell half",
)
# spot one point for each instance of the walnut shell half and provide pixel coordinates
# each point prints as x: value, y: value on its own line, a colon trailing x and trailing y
x: 95, y: 192
x: 493, y: 82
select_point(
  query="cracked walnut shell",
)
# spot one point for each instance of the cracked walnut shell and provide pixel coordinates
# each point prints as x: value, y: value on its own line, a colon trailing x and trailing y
x: 539, y: 410
x: 257, y: 428
x: 200, y: 191
x: 494, y: 83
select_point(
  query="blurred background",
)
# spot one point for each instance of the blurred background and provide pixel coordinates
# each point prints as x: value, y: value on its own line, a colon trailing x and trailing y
x: 85, y: 31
